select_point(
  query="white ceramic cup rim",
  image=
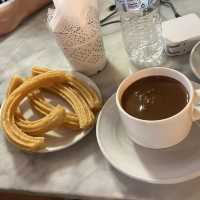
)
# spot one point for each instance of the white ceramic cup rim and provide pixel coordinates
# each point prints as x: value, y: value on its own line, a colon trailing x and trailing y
x: 191, y: 94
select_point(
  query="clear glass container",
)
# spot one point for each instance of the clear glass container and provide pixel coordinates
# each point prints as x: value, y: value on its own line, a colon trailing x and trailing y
x: 142, y: 31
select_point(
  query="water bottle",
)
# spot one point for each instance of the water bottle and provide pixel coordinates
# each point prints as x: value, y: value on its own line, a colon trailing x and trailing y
x: 142, y: 31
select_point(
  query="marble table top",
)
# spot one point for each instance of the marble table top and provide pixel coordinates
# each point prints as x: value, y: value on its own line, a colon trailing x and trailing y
x: 80, y: 171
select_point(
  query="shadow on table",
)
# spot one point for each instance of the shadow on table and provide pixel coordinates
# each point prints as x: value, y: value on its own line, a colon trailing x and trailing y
x: 181, y: 63
x: 112, y: 28
x: 141, y: 190
x: 108, y: 79
x: 2, y: 38
x: 39, y: 169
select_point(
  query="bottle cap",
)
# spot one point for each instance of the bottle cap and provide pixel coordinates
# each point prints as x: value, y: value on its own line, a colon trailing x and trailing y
x: 138, y: 6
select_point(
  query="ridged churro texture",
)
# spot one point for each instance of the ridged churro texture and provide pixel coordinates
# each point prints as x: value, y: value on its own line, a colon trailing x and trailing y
x: 30, y: 135
x: 36, y: 128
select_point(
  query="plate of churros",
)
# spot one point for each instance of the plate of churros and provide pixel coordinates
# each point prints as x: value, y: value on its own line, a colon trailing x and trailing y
x: 49, y: 110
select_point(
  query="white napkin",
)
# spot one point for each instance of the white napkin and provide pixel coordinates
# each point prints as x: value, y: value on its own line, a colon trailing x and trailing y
x: 75, y: 24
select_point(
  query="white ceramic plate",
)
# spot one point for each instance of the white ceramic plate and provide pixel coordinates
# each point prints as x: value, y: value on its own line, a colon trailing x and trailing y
x: 165, y: 166
x: 62, y: 138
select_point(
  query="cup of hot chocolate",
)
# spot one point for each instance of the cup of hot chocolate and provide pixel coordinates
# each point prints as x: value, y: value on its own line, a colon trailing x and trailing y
x: 157, y: 107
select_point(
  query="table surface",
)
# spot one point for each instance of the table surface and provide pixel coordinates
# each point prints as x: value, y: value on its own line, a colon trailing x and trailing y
x: 80, y: 171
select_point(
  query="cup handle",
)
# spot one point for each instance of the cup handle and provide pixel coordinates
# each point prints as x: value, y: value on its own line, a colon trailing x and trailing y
x: 196, y: 107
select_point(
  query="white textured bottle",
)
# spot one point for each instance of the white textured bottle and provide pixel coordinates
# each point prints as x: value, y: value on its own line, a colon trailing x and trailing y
x: 77, y: 30
x: 141, y: 30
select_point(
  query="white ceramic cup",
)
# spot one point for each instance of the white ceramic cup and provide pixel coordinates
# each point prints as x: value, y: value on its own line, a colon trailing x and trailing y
x: 163, y: 133
x: 195, y: 60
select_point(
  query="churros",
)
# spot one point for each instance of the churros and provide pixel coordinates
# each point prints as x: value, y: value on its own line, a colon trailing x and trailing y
x: 30, y: 135
x: 13, y: 132
x: 38, y: 102
x: 15, y: 82
x: 81, y: 108
x: 83, y: 117
x: 43, y: 125
x: 52, y: 120
x: 88, y: 93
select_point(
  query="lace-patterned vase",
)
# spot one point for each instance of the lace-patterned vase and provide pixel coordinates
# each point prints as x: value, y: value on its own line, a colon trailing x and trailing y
x: 81, y: 43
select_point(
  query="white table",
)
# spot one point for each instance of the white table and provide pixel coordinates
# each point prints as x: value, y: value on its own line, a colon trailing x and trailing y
x: 80, y: 171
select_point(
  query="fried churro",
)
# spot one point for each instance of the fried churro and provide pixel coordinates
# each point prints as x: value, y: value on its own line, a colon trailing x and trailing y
x: 52, y: 120
x: 13, y: 132
x: 88, y: 93
x: 29, y: 135
x: 38, y: 102
x: 81, y: 108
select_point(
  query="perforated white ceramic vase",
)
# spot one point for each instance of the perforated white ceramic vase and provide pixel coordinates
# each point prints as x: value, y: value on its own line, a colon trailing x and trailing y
x: 82, y: 44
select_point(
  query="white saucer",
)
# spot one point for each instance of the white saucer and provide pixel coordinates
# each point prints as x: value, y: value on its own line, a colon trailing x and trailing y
x: 165, y: 166
x: 61, y: 138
